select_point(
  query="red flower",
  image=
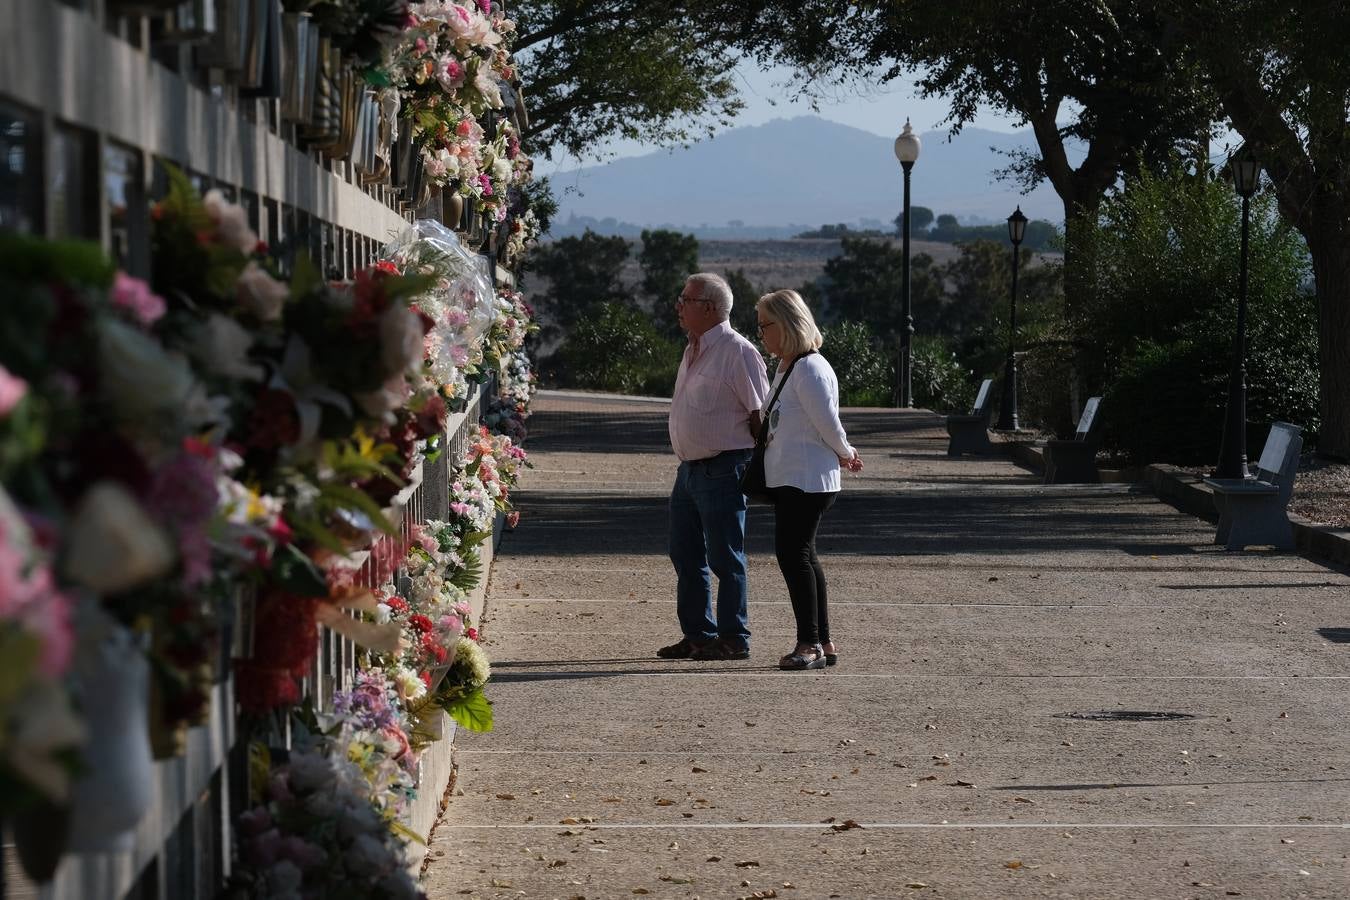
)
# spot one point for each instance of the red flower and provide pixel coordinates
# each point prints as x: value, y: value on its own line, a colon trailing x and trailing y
x: 397, y: 604
x: 274, y: 421
x: 472, y: 634
x: 385, y: 265
x: 420, y: 623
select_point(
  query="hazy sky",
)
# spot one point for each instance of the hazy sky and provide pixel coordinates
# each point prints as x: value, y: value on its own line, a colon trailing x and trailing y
x: 882, y: 111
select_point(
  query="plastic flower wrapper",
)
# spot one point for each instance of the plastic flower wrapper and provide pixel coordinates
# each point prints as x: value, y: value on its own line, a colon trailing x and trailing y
x: 459, y: 301
x: 461, y: 691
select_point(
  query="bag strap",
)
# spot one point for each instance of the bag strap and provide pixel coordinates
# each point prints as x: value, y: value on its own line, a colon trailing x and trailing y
x: 764, y: 425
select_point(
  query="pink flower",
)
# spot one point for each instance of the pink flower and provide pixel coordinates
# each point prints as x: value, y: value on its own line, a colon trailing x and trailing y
x: 485, y: 6
x: 486, y: 184
x: 135, y: 296
x: 512, y: 519
x: 12, y: 390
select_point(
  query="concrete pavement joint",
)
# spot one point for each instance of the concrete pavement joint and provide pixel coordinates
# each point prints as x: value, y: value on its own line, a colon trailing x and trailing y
x: 945, y: 826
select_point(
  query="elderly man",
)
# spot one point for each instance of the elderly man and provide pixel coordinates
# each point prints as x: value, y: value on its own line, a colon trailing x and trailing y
x: 714, y: 415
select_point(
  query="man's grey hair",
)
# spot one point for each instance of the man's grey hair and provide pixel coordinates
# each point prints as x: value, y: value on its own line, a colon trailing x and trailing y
x: 714, y: 287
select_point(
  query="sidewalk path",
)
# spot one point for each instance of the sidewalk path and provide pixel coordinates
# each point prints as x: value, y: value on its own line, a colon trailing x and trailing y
x: 976, y: 611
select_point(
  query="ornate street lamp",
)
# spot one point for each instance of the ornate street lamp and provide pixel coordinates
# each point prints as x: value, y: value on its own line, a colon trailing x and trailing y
x: 1233, y: 448
x: 907, y: 151
x: 1007, y: 416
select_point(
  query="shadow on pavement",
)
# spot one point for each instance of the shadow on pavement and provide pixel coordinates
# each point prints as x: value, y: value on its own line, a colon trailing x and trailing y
x: 876, y: 523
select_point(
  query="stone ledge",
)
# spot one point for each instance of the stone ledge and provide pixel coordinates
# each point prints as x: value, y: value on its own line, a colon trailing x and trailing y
x: 1189, y: 493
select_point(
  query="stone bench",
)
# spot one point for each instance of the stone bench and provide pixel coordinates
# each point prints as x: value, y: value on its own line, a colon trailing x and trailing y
x: 1252, y: 510
x: 1074, y: 461
x: 970, y: 433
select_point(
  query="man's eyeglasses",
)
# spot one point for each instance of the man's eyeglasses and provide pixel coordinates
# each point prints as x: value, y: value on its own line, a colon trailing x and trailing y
x: 685, y: 301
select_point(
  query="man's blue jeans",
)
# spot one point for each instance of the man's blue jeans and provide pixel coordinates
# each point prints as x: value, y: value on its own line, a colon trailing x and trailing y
x: 707, y: 537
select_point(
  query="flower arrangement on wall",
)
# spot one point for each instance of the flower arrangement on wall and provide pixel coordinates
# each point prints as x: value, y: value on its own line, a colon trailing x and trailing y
x: 222, y: 431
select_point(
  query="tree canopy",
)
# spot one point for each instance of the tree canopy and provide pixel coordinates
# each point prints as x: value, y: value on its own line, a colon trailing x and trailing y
x: 656, y: 72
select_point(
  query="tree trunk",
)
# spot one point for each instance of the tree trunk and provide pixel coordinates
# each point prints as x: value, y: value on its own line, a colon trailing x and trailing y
x: 1329, y: 244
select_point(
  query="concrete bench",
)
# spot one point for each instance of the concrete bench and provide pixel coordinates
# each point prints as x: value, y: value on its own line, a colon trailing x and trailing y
x: 1074, y: 461
x: 970, y: 433
x: 1252, y: 510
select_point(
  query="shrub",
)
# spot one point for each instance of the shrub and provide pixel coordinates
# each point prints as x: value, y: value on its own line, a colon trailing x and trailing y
x: 865, y: 370
x: 939, y: 381
x: 614, y: 347
x: 1158, y: 326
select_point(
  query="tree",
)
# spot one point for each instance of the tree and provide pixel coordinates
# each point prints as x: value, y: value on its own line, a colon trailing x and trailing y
x: 667, y: 258
x: 863, y: 285
x: 920, y: 217
x: 615, y: 348
x: 656, y: 72
x: 1289, y: 94
x: 1114, y: 70
x: 581, y: 271
x: 744, y: 318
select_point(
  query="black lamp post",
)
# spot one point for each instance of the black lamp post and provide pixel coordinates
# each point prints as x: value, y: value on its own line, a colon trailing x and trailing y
x: 907, y: 151
x: 1007, y: 416
x: 1233, y: 448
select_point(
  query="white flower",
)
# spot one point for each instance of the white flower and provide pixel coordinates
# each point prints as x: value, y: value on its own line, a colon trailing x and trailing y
x: 382, y: 613
x: 385, y: 399
x: 400, y: 339
x: 410, y: 686
x: 472, y: 657
x: 501, y: 170
x: 138, y: 377
x: 113, y: 543
x: 488, y: 88
x: 220, y: 345
x: 231, y: 222
x: 260, y: 293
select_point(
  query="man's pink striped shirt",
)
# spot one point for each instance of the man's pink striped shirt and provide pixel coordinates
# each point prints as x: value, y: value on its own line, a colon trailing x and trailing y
x: 715, y: 395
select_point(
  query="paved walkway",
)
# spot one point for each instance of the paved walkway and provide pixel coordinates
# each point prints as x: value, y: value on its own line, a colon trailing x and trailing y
x: 976, y: 613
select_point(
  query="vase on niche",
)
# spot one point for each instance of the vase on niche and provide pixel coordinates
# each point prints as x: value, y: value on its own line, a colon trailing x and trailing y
x: 113, y: 677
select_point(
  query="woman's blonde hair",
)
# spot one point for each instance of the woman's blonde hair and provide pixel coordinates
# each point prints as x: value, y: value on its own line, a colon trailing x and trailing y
x: 789, y: 310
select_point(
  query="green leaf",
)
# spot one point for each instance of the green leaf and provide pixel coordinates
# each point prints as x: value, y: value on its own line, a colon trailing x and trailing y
x: 297, y: 573
x: 473, y: 711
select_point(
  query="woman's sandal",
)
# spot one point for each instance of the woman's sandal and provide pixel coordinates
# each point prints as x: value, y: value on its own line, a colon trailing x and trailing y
x: 831, y: 658
x: 811, y: 658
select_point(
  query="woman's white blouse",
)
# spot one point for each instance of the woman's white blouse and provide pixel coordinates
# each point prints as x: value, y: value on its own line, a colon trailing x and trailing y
x: 805, y: 437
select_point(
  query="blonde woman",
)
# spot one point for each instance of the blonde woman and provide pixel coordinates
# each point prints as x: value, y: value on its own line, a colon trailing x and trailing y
x: 804, y: 449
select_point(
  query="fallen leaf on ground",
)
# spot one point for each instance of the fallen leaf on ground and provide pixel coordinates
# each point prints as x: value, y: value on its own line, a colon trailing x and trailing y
x: 1023, y: 800
x: 612, y: 800
x: 677, y: 879
x: 557, y: 864
x: 662, y: 801
x: 846, y: 825
x: 697, y: 771
x: 916, y: 885
x: 506, y: 796
x: 959, y: 783
x: 570, y: 820
x: 760, y: 895
x: 641, y: 891
x: 1013, y: 864
x: 929, y: 778
x: 501, y: 882
x: 714, y: 859
x: 748, y: 864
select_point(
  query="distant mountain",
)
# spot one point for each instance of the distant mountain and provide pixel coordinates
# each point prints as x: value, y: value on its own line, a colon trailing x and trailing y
x: 787, y: 175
